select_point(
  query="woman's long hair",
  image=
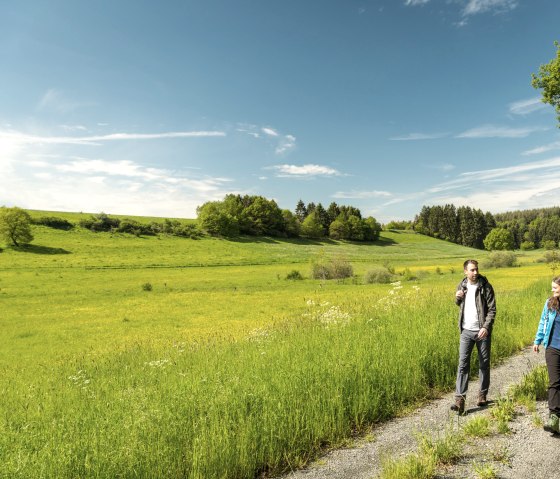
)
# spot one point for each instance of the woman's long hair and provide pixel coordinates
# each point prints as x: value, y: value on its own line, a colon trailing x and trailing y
x: 553, y: 301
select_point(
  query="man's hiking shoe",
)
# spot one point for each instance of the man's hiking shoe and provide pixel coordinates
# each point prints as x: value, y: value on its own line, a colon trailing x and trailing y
x: 459, y: 405
x: 553, y: 424
x: 482, y: 401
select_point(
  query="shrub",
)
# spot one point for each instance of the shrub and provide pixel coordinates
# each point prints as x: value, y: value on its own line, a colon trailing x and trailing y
x: 341, y: 268
x: 378, y: 275
x: 500, y: 259
x: 294, y: 275
x: 147, y: 287
x: 548, y: 244
x: 550, y: 257
x: 100, y: 222
x: 337, y: 268
x: 53, y: 222
x: 527, y: 245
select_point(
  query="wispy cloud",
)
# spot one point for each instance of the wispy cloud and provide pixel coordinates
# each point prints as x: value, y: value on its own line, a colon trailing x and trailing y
x: 543, y: 149
x: 55, y: 100
x: 362, y: 195
x: 491, y: 131
x: 416, y: 2
x: 419, y: 136
x: 524, y: 107
x: 304, y: 171
x: 286, y: 144
x: 442, y: 167
x: 474, y: 7
x: 25, y: 138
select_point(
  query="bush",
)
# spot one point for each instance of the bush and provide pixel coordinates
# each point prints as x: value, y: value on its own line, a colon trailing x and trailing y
x: 341, y: 268
x: 53, y: 222
x: 294, y: 275
x: 100, y: 222
x: 548, y: 244
x: 527, y: 245
x: 550, y: 257
x: 500, y: 259
x: 337, y: 268
x: 378, y: 275
x: 147, y: 287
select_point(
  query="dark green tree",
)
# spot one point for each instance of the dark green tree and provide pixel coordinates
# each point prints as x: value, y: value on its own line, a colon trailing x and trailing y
x: 301, y: 211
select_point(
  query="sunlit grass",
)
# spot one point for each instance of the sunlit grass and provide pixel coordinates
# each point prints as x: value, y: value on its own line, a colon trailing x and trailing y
x: 223, y: 368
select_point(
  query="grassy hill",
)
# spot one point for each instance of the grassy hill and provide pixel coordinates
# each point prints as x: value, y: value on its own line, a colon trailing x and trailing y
x: 222, y: 367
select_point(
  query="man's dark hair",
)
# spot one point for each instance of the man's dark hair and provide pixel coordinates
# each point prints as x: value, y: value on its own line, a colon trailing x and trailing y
x: 470, y: 261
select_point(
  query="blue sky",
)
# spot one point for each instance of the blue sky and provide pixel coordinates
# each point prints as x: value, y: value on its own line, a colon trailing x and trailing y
x: 152, y: 108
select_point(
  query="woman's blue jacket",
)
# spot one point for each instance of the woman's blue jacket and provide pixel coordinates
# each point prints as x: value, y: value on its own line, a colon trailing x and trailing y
x: 545, y: 325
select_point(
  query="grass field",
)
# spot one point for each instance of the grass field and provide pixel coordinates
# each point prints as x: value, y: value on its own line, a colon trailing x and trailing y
x: 224, y: 368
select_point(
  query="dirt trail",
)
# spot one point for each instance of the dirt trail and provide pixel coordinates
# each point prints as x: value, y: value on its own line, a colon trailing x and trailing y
x: 530, y: 449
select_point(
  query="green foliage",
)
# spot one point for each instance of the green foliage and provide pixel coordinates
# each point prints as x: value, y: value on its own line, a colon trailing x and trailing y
x: 503, y: 412
x: 53, y: 222
x: 294, y: 275
x: 312, y: 227
x: 15, y: 226
x: 499, y: 239
x: 325, y: 268
x: 413, y: 466
x: 100, y: 222
x: 500, y: 259
x: 214, y: 218
x: 527, y: 245
x: 548, y: 79
x: 485, y: 471
x: 147, y: 287
x: 478, y: 426
x: 549, y: 244
x: 398, y: 225
x: 444, y: 450
x: 378, y: 275
x: 533, y: 385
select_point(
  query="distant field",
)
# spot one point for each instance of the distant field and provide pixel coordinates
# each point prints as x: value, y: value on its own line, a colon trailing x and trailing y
x: 224, y: 368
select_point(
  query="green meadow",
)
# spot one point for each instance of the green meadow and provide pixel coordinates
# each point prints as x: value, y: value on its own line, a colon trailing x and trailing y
x: 221, y: 367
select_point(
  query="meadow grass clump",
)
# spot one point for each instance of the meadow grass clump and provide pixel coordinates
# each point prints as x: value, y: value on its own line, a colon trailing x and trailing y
x: 414, y: 466
x: 534, y: 385
x: 478, y: 426
x: 294, y: 275
x: 444, y: 450
x: 378, y: 275
x: 335, y: 268
x: 500, y: 259
x: 485, y: 471
x: 147, y: 287
x: 503, y: 412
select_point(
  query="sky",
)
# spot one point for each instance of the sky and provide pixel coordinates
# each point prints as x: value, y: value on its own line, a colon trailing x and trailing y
x: 154, y: 108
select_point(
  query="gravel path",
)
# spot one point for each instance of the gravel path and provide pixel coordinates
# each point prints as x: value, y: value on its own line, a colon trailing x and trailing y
x: 531, y: 452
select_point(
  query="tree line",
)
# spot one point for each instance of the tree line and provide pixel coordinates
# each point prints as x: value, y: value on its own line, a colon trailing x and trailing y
x: 524, y: 229
x: 259, y: 216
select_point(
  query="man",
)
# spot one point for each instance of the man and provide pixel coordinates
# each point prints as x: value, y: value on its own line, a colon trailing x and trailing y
x: 475, y: 298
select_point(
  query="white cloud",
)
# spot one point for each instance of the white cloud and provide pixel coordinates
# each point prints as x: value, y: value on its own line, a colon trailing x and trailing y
x: 24, y: 138
x: 491, y: 131
x: 73, y: 127
x: 304, y: 171
x: 543, y: 149
x: 269, y: 131
x: 287, y: 143
x: 474, y: 7
x: 416, y: 2
x: 524, y: 107
x: 362, y: 195
x: 419, y: 136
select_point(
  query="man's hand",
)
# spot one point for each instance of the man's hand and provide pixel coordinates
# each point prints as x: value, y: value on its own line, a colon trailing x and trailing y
x: 535, y: 348
x: 482, y: 333
x: 460, y: 294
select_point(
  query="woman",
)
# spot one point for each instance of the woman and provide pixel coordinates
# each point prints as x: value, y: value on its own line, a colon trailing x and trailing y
x: 548, y: 335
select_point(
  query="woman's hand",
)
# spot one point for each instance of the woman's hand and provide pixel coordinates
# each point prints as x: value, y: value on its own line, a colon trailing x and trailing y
x: 535, y: 348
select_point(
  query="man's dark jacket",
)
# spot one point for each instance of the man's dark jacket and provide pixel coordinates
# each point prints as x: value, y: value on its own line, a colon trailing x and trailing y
x: 485, y: 303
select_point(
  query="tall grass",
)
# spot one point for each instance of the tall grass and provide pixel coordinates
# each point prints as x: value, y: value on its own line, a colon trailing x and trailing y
x: 267, y: 402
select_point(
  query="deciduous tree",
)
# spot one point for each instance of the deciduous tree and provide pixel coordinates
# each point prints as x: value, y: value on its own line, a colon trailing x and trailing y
x: 15, y: 226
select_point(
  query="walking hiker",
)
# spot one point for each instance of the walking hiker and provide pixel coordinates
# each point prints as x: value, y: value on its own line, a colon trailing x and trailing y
x: 477, y: 310
x: 548, y: 334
